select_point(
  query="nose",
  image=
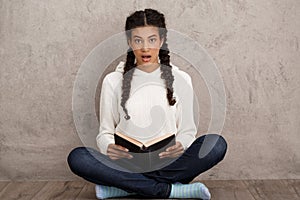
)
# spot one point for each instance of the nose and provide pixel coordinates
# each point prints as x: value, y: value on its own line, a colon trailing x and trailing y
x: 145, y: 46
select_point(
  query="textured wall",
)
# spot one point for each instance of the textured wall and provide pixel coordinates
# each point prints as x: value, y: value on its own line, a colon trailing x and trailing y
x: 254, y: 43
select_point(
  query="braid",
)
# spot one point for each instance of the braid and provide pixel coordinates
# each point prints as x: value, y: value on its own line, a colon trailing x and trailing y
x: 139, y: 19
x: 166, y: 69
x: 127, y: 77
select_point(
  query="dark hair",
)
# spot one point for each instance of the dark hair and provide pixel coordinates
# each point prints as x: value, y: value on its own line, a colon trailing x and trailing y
x: 148, y: 17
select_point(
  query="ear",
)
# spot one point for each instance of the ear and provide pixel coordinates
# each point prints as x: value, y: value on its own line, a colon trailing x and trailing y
x: 162, y: 41
x: 129, y: 43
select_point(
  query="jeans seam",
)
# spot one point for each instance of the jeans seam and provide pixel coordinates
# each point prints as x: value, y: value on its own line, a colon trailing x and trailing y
x: 168, y: 192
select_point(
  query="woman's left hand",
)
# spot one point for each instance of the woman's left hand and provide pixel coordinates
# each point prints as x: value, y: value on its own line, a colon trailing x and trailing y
x: 173, y: 151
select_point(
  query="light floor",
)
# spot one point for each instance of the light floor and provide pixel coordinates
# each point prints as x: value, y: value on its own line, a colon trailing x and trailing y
x: 220, y: 190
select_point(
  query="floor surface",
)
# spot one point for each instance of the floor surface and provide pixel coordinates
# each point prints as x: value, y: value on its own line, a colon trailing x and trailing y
x: 220, y: 190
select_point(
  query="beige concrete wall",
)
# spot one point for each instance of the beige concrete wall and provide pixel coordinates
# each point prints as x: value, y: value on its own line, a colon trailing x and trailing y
x: 254, y: 43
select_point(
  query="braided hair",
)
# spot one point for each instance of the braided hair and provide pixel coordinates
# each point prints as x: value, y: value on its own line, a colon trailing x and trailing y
x: 148, y: 17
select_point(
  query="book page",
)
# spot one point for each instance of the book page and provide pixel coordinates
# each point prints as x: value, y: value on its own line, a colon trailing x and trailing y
x: 151, y: 142
x: 130, y: 139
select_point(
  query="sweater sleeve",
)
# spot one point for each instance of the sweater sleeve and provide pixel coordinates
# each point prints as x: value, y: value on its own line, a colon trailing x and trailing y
x: 186, y: 128
x: 108, y: 116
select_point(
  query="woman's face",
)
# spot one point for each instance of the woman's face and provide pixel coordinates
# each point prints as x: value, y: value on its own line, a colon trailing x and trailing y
x: 145, y: 42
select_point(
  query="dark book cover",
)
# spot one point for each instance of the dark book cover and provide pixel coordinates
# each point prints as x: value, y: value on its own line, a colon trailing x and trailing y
x: 146, y: 156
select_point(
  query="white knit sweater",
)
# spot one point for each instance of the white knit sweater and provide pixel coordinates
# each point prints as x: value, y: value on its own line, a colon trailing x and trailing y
x: 148, y: 107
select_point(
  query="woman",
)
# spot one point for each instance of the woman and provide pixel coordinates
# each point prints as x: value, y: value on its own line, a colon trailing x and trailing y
x: 123, y: 107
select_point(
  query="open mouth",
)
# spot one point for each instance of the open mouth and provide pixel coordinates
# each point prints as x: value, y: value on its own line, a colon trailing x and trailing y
x: 146, y: 58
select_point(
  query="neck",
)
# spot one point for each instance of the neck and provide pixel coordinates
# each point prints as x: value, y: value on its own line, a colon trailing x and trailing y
x: 148, y: 67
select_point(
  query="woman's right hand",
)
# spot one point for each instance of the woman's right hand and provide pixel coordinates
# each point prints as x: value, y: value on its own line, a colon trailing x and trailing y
x: 115, y: 152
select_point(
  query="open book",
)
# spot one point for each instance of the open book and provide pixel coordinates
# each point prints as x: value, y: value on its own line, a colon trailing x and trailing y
x: 145, y: 154
x: 136, y: 146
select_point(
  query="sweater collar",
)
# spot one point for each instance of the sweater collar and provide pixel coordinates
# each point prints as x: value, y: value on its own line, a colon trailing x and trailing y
x: 141, y: 72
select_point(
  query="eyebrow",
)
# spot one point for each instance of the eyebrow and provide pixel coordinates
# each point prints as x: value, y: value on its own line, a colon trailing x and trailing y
x: 136, y: 36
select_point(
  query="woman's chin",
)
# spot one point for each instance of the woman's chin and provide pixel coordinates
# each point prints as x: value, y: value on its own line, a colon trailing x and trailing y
x: 147, y: 63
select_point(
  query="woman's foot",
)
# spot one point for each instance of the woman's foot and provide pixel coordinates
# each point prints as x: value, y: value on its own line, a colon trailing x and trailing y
x: 192, y: 190
x: 103, y: 192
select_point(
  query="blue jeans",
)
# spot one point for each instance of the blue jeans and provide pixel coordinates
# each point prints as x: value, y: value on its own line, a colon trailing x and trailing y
x: 93, y: 166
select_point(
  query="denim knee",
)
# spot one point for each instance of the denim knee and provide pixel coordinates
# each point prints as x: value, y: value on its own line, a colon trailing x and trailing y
x: 223, y: 146
x: 74, y: 160
x: 213, y: 145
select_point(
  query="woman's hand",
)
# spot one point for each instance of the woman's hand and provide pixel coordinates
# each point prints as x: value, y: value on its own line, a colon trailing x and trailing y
x: 115, y: 152
x: 173, y: 151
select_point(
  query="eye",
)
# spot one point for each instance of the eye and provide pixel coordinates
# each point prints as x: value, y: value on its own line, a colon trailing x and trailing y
x: 152, y: 40
x: 137, y: 41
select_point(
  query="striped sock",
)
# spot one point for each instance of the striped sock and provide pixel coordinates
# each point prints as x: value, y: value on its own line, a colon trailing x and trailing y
x: 103, y: 192
x: 192, y: 190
